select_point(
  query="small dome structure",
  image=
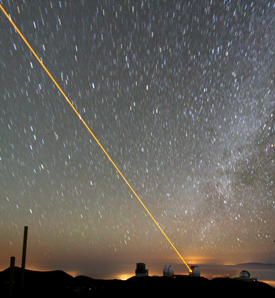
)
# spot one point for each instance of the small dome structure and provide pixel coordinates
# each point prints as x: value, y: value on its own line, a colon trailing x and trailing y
x: 168, y: 270
x: 245, y: 274
x: 195, y: 271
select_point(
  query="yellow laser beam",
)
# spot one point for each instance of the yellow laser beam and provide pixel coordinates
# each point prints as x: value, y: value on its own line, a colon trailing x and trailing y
x: 95, y: 138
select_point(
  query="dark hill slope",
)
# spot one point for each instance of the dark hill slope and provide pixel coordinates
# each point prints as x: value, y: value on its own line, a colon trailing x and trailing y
x: 60, y: 284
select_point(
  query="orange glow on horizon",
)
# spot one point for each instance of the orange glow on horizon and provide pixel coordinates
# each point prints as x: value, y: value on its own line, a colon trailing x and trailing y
x: 124, y: 276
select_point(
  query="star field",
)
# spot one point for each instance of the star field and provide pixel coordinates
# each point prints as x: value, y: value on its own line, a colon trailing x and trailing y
x: 181, y: 96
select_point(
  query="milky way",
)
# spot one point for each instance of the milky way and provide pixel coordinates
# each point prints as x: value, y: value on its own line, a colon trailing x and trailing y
x: 181, y: 96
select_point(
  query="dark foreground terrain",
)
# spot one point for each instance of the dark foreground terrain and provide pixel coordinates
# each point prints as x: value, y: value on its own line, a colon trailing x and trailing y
x: 60, y: 284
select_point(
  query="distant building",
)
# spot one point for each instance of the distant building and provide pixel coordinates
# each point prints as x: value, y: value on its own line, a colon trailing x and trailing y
x: 141, y: 271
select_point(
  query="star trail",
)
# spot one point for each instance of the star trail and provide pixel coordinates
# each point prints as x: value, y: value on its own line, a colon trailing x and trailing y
x: 181, y: 96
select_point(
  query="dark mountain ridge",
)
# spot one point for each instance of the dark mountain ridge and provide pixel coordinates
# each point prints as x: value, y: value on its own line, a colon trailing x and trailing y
x: 255, y: 264
x: 60, y: 284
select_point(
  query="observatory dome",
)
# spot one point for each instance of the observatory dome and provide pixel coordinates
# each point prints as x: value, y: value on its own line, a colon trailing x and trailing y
x: 168, y: 270
x: 195, y: 271
x: 245, y: 274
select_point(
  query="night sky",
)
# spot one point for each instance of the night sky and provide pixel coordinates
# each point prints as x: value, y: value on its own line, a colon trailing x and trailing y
x: 181, y: 94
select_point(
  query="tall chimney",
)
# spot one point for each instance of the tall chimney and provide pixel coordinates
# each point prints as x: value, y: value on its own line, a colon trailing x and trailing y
x: 24, y: 258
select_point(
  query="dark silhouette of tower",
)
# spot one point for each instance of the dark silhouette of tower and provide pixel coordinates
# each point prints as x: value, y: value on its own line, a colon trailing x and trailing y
x: 24, y: 252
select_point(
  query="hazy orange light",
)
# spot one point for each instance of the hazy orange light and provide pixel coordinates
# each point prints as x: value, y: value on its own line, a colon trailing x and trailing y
x: 124, y: 276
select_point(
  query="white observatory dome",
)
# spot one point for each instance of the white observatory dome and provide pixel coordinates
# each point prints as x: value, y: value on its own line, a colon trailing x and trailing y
x: 168, y: 270
x: 195, y: 271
